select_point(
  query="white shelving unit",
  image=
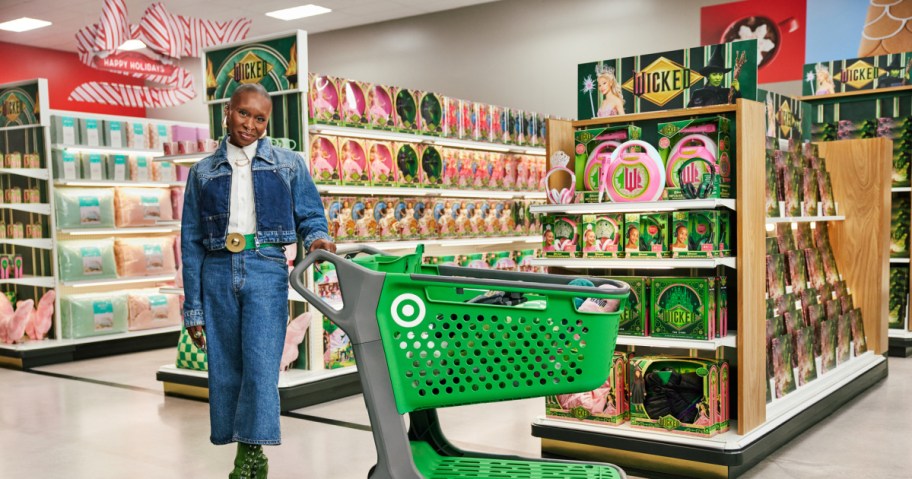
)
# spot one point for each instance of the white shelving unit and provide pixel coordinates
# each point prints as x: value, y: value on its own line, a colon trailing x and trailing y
x: 106, y: 149
x: 40, y: 243
x: 187, y: 159
x: 37, y: 208
x: 424, y: 139
x: 106, y: 183
x: 637, y: 263
x: 899, y: 260
x: 634, y: 207
x: 120, y: 281
x: 142, y: 230
x: 901, y: 189
x: 729, y: 341
x: 445, y: 193
x: 28, y: 280
x: 37, y: 173
x: 899, y: 333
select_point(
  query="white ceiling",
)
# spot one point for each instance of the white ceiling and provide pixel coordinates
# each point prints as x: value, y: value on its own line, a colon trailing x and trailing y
x: 68, y: 16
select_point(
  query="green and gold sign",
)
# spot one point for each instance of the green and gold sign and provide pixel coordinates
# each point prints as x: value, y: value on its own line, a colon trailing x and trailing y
x: 854, y: 74
x: 683, y: 308
x: 20, y: 105
x: 273, y: 63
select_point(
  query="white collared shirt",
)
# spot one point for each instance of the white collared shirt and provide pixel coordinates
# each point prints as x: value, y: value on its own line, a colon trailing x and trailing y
x: 242, y: 213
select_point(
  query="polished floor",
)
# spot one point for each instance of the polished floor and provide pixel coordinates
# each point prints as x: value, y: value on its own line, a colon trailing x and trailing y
x: 107, y: 418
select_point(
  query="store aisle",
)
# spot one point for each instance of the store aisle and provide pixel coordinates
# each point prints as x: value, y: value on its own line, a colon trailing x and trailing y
x: 106, y: 419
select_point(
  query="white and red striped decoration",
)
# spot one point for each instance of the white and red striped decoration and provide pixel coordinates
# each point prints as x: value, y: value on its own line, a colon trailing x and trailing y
x: 171, y: 36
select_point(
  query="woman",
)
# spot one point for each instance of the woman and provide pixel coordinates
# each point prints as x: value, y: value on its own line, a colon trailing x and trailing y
x: 611, y: 99
x: 235, y: 272
x: 825, y: 84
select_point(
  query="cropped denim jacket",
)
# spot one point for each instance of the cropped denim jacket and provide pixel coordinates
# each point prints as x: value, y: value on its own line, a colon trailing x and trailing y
x: 286, y: 202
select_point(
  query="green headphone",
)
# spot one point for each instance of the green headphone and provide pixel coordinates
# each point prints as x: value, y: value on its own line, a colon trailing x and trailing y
x: 706, y: 185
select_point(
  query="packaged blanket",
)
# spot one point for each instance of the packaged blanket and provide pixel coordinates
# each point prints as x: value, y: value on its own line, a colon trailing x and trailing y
x: 142, y: 206
x: 144, y: 256
x: 149, y: 309
x: 84, y: 207
x: 86, y: 260
x: 84, y: 315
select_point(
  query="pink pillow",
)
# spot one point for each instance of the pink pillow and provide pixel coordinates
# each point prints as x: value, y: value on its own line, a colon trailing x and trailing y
x: 148, y: 310
x: 144, y: 256
x: 142, y: 206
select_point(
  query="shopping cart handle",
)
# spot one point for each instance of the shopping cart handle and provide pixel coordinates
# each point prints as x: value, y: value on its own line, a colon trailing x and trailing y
x: 353, y: 249
x: 360, y: 289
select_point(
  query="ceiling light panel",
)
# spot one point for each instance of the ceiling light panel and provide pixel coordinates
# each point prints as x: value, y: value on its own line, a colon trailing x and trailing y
x: 23, y: 24
x: 295, y: 13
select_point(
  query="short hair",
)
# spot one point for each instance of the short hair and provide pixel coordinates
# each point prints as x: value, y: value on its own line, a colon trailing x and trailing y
x: 250, y: 87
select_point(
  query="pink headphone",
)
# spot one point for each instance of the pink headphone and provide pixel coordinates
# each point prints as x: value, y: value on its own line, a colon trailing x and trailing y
x: 564, y: 196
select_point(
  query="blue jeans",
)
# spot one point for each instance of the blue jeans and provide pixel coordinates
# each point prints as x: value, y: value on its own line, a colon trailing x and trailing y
x: 245, y: 302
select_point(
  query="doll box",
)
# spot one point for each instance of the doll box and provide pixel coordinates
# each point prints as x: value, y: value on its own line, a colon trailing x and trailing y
x: 383, y: 170
x: 324, y: 160
x: 645, y: 235
x: 635, y: 318
x: 405, y: 113
x: 353, y: 103
x: 601, y: 235
x: 431, y: 166
x: 592, y: 146
x: 605, y: 405
x: 379, y: 107
x: 431, y: 108
x: 683, y: 308
x: 324, y: 100
x: 713, y: 130
x: 408, y: 164
x: 353, y: 162
x: 559, y: 236
x: 704, y: 381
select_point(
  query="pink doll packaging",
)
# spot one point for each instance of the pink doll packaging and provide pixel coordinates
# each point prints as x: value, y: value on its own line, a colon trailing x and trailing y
x: 482, y: 129
x: 510, y: 171
x: 446, y: 223
x: 474, y: 214
x: 465, y: 172
x: 451, y: 117
x: 497, y: 171
x: 467, y: 120
x: 141, y: 206
x: 324, y: 100
x: 363, y: 215
x: 149, y: 310
x: 353, y: 162
x: 480, y: 170
x: 383, y: 171
x: 490, y: 221
x: 450, y: 173
x: 460, y: 218
x: 384, y: 215
x: 144, y: 256
x: 324, y: 160
x: 379, y: 107
x: 408, y: 221
x: 353, y: 104
x: 495, y: 115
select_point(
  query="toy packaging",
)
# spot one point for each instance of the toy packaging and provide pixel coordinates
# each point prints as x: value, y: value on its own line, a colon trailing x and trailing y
x: 827, y: 203
x: 384, y: 215
x: 339, y: 212
x: 405, y: 117
x: 467, y: 119
x: 482, y: 129
x: 559, y: 236
x: 324, y: 100
x: 700, y: 234
x: 635, y: 173
x: 703, y: 383
x: 497, y: 171
x: 407, y: 219
x: 427, y: 222
x: 450, y: 175
x: 474, y: 213
x: 645, y: 235
x: 481, y: 172
x: 605, y: 405
x: 683, y: 308
x: 383, y: 171
x: 706, y: 141
x: 431, y: 166
x: 324, y: 160
x: 353, y: 104
x: 363, y: 215
x: 379, y: 107
x: 899, y: 226
x: 593, y: 150
x: 431, y: 112
x: 353, y: 162
x: 495, y: 134
x: 407, y: 162
x: 635, y: 317
x: 843, y: 338
x: 859, y: 342
x: 446, y: 223
x: 601, y: 235
x: 809, y: 193
x: 451, y: 116
x: 510, y: 165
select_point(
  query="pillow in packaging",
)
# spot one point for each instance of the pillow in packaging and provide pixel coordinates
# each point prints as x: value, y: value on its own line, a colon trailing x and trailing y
x: 67, y: 165
x: 93, y: 166
x: 144, y: 256
x: 84, y: 315
x: 84, y: 207
x: 142, y: 206
x: 163, y: 171
x: 140, y: 168
x: 149, y: 309
x: 118, y: 167
x: 115, y: 133
x: 86, y: 260
x: 177, y: 202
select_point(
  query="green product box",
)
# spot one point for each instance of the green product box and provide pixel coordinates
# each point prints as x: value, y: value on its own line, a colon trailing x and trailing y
x: 708, y: 138
x: 699, y: 234
x: 635, y: 318
x: 600, y: 236
x: 605, y: 405
x: 559, y: 236
x: 593, y: 145
x: 683, y: 308
x: 646, y: 235
x: 721, y: 306
x: 709, y: 385
x: 899, y: 226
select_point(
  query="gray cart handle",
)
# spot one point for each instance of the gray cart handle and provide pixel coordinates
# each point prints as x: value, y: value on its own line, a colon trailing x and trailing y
x: 350, y: 250
x: 355, y: 276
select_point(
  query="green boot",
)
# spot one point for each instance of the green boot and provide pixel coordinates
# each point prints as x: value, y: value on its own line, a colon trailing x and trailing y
x: 249, y: 463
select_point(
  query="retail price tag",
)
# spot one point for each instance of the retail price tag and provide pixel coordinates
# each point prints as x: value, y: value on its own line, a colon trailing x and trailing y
x: 69, y: 130
x: 92, y: 133
x: 95, y: 167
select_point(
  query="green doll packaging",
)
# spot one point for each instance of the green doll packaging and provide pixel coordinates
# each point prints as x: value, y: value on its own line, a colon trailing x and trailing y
x: 593, y: 147
x: 683, y: 308
x: 634, y: 318
x: 431, y: 166
x: 708, y: 138
x: 408, y: 164
x: 405, y: 111
x: 430, y: 108
x: 605, y: 405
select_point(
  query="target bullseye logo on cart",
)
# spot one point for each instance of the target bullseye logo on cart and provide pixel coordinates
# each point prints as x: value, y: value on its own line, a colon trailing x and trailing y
x: 408, y: 310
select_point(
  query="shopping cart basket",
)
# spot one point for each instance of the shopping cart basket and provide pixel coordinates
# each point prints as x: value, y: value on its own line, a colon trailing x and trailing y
x: 420, y: 346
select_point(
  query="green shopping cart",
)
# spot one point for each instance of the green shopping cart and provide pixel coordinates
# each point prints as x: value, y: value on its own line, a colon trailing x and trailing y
x: 427, y: 337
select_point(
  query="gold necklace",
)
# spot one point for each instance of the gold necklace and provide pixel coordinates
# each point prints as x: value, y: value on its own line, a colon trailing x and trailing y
x: 239, y: 163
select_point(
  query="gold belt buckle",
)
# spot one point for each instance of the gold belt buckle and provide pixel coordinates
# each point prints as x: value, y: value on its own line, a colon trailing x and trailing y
x: 235, y: 243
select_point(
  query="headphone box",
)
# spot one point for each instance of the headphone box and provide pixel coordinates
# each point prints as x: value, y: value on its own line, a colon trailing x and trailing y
x: 635, y: 317
x: 559, y: 236
x: 645, y: 235
x: 705, y: 138
x: 601, y: 235
x: 592, y: 146
x: 606, y: 405
x: 700, y: 234
x: 683, y: 308
x: 701, y: 388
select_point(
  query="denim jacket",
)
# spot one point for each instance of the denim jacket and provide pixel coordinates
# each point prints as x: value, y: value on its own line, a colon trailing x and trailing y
x: 286, y: 202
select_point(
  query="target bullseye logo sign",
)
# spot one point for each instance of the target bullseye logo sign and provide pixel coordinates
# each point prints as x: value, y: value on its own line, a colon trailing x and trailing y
x: 408, y: 310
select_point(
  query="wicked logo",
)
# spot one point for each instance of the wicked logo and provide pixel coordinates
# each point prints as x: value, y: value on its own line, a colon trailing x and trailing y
x: 786, y: 119
x: 251, y: 69
x: 12, y: 108
x: 678, y: 317
x: 858, y: 75
x: 662, y: 81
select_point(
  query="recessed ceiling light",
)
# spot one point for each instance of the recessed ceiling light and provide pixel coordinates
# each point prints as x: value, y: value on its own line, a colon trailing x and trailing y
x: 295, y: 13
x: 23, y: 24
x: 133, y: 44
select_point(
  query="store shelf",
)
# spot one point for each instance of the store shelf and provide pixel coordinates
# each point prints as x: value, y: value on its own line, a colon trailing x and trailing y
x: 900, y: 343
x: 448, y: 243
x: 635, y: 263
x: 899, y: 260
x: 729, y: 341
x: 786, y: 419
x: 183, y: 159
x: 106, y: 150
x: 111, y: 183
x: 901, y: 189
x: 145, y: 230
x: 426, y: 139
x: 21, y: 127
x: 37, y: 208
x: 297, y: 387
x: 40, y: 243
x: 804, y: 219
x: 37, y: 281
x: 445, y: 193
x: 119, y: 281
x: 37, y: 173
x: 644, y: 206
x: 899, y: 334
